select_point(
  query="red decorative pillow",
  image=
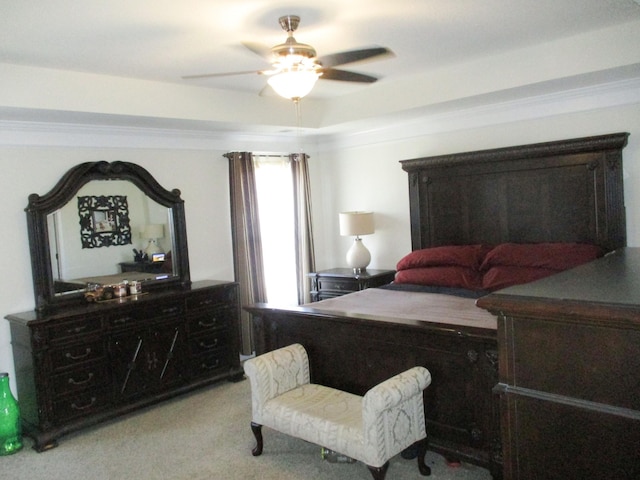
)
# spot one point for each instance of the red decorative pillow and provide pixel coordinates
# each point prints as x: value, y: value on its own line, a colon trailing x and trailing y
x: 506, y: 276
x: 555, y: 256
x: 442, y: 276
x: 462, y: 255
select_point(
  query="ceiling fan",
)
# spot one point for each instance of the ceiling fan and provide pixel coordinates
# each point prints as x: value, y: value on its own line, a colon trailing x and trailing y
x: 295, y: 66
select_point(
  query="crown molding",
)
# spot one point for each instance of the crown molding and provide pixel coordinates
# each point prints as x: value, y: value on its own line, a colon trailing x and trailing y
x: 403, y: 126
x: 618, y: 93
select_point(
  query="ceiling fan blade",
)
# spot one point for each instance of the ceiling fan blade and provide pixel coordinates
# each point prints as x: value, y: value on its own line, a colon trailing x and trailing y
x: 342, y: 58
x: 345, y: 76
x: 226, y: 74
x: 259, y: 49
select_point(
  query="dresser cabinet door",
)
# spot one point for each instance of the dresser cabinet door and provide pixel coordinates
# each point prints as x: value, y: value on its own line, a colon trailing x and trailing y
x: 147, y: 360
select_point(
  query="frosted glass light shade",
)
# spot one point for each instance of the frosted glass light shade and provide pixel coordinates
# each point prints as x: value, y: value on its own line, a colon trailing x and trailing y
x: 293, y: 83
x: 356, y: 223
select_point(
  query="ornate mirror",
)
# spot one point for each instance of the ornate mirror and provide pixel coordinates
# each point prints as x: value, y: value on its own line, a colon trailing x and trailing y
x: 101, y: 223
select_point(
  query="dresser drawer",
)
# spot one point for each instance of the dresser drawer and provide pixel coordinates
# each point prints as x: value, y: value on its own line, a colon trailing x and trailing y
x: 209, y: 342
x: 80, y: 405
x: 210, y: 363
x: 73, y: 329
x: 156, y: 311
x: 72, y: 355
x: 344, y: 285
x: 214, y: 319
x: 222, y: 296
x: 76, y: 380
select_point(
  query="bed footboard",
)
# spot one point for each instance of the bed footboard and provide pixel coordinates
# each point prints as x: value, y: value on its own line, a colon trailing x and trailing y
x: 354, y: 353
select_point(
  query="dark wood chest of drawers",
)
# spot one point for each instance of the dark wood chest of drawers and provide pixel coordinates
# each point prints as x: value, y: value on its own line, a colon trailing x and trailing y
x: 93, y: 362
x: 570, y: 372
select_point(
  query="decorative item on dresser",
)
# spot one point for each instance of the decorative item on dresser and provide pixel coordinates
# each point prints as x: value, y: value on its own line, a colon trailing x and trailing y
x: 79, y: 363
x: 568, y: 191
x: 340, y: 281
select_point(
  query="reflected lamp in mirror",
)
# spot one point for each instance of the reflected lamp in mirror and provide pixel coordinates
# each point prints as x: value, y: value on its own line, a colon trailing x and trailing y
x: 152, y: 233
x: 357, y: 224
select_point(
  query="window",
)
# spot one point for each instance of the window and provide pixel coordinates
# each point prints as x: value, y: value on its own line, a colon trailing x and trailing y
x: 274, y: 185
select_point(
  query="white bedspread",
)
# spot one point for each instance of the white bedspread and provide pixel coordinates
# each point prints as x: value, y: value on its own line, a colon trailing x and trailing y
x: 428, y: 307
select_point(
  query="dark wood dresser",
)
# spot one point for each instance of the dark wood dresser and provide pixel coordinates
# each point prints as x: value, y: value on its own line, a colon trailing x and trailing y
x: 569, y: 357
x: 91, y: 362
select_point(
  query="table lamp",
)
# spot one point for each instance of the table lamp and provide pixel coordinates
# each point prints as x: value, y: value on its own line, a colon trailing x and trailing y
x: 153, y: 232
x: 356, y: 224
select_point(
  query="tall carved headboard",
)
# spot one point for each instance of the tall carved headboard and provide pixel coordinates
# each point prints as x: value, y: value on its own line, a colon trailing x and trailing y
x: 563, y: 191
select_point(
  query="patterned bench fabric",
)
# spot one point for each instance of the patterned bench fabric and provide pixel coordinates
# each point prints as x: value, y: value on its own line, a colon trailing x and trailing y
x: 372, y: 429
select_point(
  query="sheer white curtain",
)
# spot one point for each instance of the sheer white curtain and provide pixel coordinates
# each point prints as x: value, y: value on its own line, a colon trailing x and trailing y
x: 274, y: 186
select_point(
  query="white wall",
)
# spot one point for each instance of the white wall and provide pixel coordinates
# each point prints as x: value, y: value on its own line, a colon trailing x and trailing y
x: 369, y: 177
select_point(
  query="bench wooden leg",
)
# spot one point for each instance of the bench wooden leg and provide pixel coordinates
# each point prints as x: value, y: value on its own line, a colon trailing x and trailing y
x: 422, y: 451
x: 256, y: 428
x: 379, y: 472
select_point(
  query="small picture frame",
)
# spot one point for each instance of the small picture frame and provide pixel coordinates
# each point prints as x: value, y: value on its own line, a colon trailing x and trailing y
x: 104, y: 221
x: 157, y: 257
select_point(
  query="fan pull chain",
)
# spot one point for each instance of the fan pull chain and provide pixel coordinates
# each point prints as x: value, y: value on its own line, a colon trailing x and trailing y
x: 296, y: 102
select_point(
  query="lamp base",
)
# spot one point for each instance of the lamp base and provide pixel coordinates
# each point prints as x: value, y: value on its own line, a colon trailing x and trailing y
x: 358, y: 257
x: 152, y: 248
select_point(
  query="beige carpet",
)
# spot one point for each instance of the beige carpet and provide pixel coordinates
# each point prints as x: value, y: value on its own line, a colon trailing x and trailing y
x: 204, y: 435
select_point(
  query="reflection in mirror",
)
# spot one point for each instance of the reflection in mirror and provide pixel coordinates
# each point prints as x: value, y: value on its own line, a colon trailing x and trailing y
x: 87, y: 229
x: 74, y: 265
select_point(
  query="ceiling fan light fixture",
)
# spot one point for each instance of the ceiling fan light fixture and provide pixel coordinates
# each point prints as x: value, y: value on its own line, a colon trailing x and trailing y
x: 294, y: 82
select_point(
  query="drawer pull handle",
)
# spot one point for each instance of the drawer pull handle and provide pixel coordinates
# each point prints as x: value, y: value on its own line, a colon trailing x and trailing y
x: 121, y: 320
x: 77, y: 329
x: 84, y: 407
x: 214, y: 321
x: 170, y: 310
x: 211, y: 367
x: 78, y: 357
x: 209, y: 345
x: 205, y: 302
x: 73, y: 381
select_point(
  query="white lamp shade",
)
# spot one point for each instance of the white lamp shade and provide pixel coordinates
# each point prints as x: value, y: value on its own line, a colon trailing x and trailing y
x: 293, y: 83
x: 356, y: 223
x: 154, y: 230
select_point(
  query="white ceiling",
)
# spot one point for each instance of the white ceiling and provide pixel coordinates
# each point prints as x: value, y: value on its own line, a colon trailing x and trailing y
x: 163, y: 40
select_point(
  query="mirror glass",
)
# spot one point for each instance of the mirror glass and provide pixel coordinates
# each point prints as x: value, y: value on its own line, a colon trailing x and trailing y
x: 102, y: 223
x: 94, y: 251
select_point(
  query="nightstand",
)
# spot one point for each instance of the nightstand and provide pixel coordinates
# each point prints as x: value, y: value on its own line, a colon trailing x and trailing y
x: 146, y: 267
x: 339, y: 281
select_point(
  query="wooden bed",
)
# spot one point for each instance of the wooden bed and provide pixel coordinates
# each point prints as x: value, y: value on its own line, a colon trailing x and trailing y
x: 565, y: 191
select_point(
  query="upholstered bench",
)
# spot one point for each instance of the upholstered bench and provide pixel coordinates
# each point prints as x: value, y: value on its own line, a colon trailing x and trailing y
x: 371, y: 429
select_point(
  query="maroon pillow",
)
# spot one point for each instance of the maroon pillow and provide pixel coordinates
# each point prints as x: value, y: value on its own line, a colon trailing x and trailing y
x: 506, y: 276
x: 555, y: 256
x: 462, y: 255
x: 442, y: 276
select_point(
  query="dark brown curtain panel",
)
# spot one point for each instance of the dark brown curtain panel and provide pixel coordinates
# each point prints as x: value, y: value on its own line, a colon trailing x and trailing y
x: 305, y: 254
x: 247, y: 245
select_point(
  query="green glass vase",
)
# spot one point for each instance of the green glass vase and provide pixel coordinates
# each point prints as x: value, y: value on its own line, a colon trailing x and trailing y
x: 10, y: 427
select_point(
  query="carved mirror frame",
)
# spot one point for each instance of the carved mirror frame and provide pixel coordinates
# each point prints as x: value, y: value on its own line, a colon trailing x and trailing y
x: 63, y: 192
